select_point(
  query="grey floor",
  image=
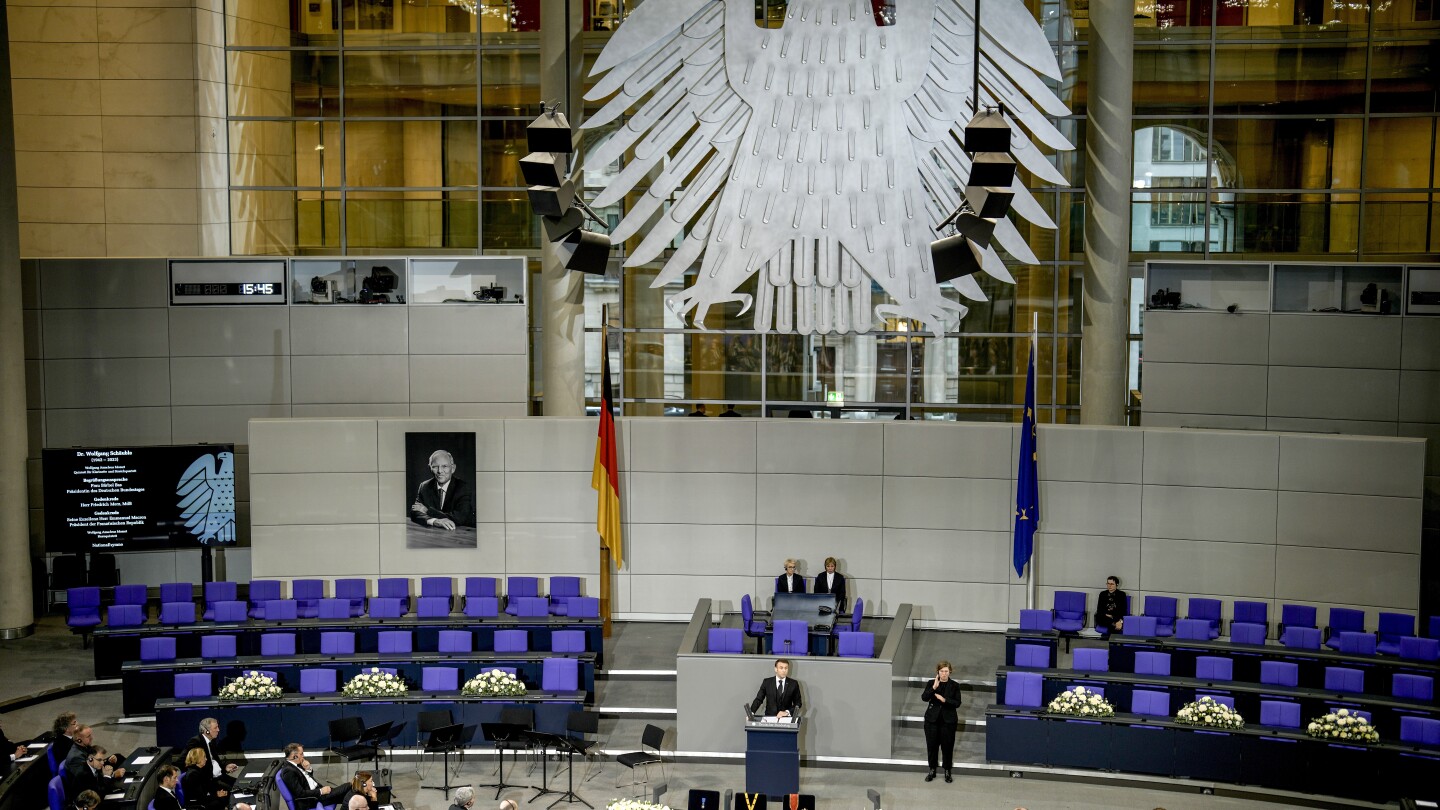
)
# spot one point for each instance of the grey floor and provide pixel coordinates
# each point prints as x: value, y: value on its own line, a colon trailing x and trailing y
x: 52, y: 659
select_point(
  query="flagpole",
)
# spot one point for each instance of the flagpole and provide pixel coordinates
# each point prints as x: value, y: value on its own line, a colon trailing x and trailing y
x: 1035, y: 552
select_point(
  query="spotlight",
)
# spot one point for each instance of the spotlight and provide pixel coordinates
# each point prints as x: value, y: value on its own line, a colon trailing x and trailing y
x: 955, y: 256
x: 586, y: 252
x: 992, y: 169
x: 989, y: 202
x: 543, y: 169
x: 988, y: 132
x: 551, y: 201
x: 557, y: 228
x: 550, y: 133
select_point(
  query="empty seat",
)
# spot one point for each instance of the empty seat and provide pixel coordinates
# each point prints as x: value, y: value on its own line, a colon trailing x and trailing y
x: 529, y: 606
x: 125, y: 616
x: 1433, y: 628
x: 717, y: 640
x: 177, y: 592
x: 1032, y: 656
x: 517, y: 587
x: 512, y: 641
x: 1420, y: 649
x: 192, y: 685
x: 1250, y: 613
x: 857, y: 645
x: 1420, y: 730
x: 1023, y: 689
x: 1091, y: 659
x: 482, y: 607
x: 82, y: 606
x: 177, y: 613
x: 318, y: 681
x: 307, y: 594
x: 131, y: 594
x: 481, y: 586
x: 231, y: 612
x: 1296, y: 616
x: 1391, y: 628
x: 1147, y: 626
x: 160, y: 648
x: 1035, y: 620
x: 1247, y: 633
x: 439, y: 679
x: 1279, y: 713
x: 393, y: 641
x: 273, y: 644
x: 573, y: 641
x: 395, y: 588
x: 432, y: 607
x: 1069, y: 611
x: 1357, y: 643
x: 790, y: 637
x: 281, y: 610
x: 1228, y: 701
x: 1152, y: 663
x: 335, y: 608
x: 1162, y: 610
x: 437, y: 586
x: 560, y: 675
x: 588, y: 607
x: 1214, y: 668
x: 222, y: 591
x: 456, y: 641
x: 1193, y: 629
x: 337, y: 642
x: 1279, y: 673
x: 353, y: 591
x: 1343, y: 620
x: 1146, y: 701
x: 562, y: 590
x: 262, y: 591
x: 1344, y: 679
x: 1301, y: 638
x: 382, y: 607
x: 1412, y: 687
x: 1207, y: 610
x: 217, y: 646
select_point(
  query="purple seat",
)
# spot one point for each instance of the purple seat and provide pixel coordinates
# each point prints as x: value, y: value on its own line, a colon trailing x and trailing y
x: 1412, y: 687
x: 1036, y: 620
x: 858, y: 645
x: 562, y: 589
x: 1251, y: 613
x: 1391, y: 628
x: 1414, y: 648
x: 281, y: 610
x: 512, y: 641
x: 516, y: 587
x: 177, y: 613
x: 177, y: 592
x: 437, y: 586
x: 1207, y: 610
x: 307, y: 594
x: 383, y: 607
x: 753, y: 627
x: 573, y: 641
x: 584, y: 607
x: 262, y: 591
x: 1343, y: 620
x: 336, y: 608
x: 482, y: 607
x: 131, y: 595
x: 1420, y: 730
x: 1279, y: 713
x: 1152, y: 663
x: 217, y: 646
x: 530, y: 607
x: 432, y: 607
x: 1032, y: 656
x: 1301, y: 638
x: 273, y: 644
x: 512, y: 670
x: 1214, y: 668
x: 161, y: 648
x: 1092, y: 659
x: 1227, y: 701
x: 318, y: 682
x: 560, y: 675
x: 126, y: 615
x: 1162, y: 610
x: 1433, y: 629
x: 790, y: 637
x: 480, y: 586
x: 1296, y: 616
x: 1069, y: 611
x: 1344, y: 679
x: 55, y: 793
x: 456, y: 641
x: 439, y: 679
x: 1023, y: 689
x: 1145, y: 701
x: 222, y: 591
x: 856, y: 616
x: 337, y: 642
x: 354, y: 591
x: 1279, y: 673
x: 1148, y: 626
x: 235, y: 611
x: 393, y: 641
x: 717, y: 640
x: 83, y: 607
x: 395, y: 588
x: 1352, y: 643
x: 1247, y: 633
x: 192, y: 685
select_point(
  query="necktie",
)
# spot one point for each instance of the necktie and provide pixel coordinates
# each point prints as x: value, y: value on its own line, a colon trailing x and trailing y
x: 782, y: 686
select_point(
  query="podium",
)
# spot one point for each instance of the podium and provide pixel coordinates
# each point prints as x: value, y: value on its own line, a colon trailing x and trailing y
x: 772, y: 757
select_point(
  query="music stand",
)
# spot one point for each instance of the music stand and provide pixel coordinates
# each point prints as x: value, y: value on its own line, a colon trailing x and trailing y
x: 374, y: 736
x: 572, y: 747
x: 499, y: 733
x: 442, y: 741
x: 543, y: 740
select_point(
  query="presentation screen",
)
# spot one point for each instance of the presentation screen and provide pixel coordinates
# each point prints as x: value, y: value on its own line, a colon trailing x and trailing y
x: 139, y: 498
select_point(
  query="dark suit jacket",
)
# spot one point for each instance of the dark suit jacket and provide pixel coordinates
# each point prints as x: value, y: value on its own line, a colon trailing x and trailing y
x: 1121, y: 600
x: 61, y: 747
x: 199, y: 786
x: 942, y: 713
x: 838, y: 589
x: 79, y: 779
x: 773, y: 700
x: 304, y: 797
x: 797, y: 579
x: 164, y: 800
x: 459, y: 503
x: 7, y: 749
x: 212, y: 754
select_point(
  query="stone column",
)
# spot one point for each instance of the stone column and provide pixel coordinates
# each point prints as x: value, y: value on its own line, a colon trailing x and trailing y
x: 17, y: 613
x: 562, y: 292
x: 1108, y: 175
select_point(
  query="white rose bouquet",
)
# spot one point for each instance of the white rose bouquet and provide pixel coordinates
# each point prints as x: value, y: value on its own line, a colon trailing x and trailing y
x: 251, y: 686
x: 1210, y: 713
x: 374, y: 682
x: 1343, y: 725
x: 492, y: 683
x: 633, y: 804
x: 1077, y: 701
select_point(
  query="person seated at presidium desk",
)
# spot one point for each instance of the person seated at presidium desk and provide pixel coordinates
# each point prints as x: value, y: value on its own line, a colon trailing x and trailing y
x: 941, y: 721
x: 780, y: 694
x: 831, y: 582
x: 1110, y: 607
x: 790, y: 582
x: 443, y: 501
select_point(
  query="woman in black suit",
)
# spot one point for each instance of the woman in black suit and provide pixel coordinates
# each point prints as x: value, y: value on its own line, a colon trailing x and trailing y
x: 198, y: 783
x: 1110, y: 608
x: 943, y: 695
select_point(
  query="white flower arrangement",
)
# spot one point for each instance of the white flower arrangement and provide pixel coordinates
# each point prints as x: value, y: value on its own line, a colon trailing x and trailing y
x: 491, y: 683
x: 1078, y: 701
x: 1209, y: 712
x: 251, y: 686
x: 374, y: 682
x: 633, y: 804
x: 1343, y: 725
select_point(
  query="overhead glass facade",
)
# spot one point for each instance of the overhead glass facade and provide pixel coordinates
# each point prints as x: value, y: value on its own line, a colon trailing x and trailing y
x: 1265, y: 129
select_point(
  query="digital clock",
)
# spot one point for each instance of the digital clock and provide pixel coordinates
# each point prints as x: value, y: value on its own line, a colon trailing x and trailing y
x: 229, y: 288
x: 222, y: 281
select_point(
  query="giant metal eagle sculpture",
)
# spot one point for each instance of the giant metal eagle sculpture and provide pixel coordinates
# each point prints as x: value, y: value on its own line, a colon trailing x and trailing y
x: 822, y: 154
x: 207, y: 498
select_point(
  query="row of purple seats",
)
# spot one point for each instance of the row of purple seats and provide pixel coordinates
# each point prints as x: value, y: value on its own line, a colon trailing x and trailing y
x: 343, y: 643
x: 791, y: 640
x: 557, y: 675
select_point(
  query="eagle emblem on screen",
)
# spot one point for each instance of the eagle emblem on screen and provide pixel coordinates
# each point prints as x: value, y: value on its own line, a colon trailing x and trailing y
x: 207, y: 498
x: 822, y: 155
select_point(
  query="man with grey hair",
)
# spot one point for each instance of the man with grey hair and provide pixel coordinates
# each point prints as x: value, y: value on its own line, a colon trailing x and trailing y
x: 443, y: 501
x: 464, y: 798
x: 209, y: 733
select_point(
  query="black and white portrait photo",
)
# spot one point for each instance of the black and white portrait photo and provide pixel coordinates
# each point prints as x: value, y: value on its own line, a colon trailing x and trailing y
x: 440, y: 490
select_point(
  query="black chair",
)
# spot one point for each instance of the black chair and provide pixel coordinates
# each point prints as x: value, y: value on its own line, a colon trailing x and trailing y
x: 66, y: 571
x: 347, y: 740
x: 103, y: 571
x: 650, y: 742
x: 582, y: 725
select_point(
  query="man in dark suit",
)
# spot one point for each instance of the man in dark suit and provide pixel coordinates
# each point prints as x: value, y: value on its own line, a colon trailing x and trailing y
x: 165, y: 798
x: 209, y: 732
x: 443, y: 501
x: 89, y: 772
x: 78, y: 763
x: 9, y: 752
x: 780, y: 694
x: 66, y: 725
x: 789, y: 582
x: 832, y: 582
x: 305, y: 791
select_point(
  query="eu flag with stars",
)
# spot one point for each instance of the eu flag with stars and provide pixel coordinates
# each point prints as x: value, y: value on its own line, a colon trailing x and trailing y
x: 1027, y: 492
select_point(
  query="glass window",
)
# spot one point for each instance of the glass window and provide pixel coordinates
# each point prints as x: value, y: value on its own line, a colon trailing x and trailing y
x: 1402, y: 73
x: 1172, y: 79
x: 1288, y: 223
x: 507, y: 222
x: 283, y: 83
x: 1400, y: 153
x: 1286, y: 153
x: 511, y: 83
x: 1321, y: 78
x: 410, y: 220
x: 1399, y: 223
x: 410, y: 83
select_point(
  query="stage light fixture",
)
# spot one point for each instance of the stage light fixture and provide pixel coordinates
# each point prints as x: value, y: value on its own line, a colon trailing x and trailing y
x: 989, y: 202
x: 586, y: 252
x: 551, y: 201
x: 992, y: 169
x: 988, y: 132
x: 955, y: 256
x: 544, y: 168
x: 550, y: 132
x: 557, y: 228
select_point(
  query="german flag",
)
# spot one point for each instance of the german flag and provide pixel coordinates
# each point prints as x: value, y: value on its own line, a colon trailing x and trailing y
x: 605, y: 479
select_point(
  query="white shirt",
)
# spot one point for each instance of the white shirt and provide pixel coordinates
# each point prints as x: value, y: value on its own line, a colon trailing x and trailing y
x: 444, y: 489
x: 214, y: 763
x: 829, y: 580
x: 309, y: 780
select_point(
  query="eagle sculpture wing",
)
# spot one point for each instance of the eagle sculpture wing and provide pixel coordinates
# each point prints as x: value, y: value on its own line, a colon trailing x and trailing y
x: 207, y: 498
